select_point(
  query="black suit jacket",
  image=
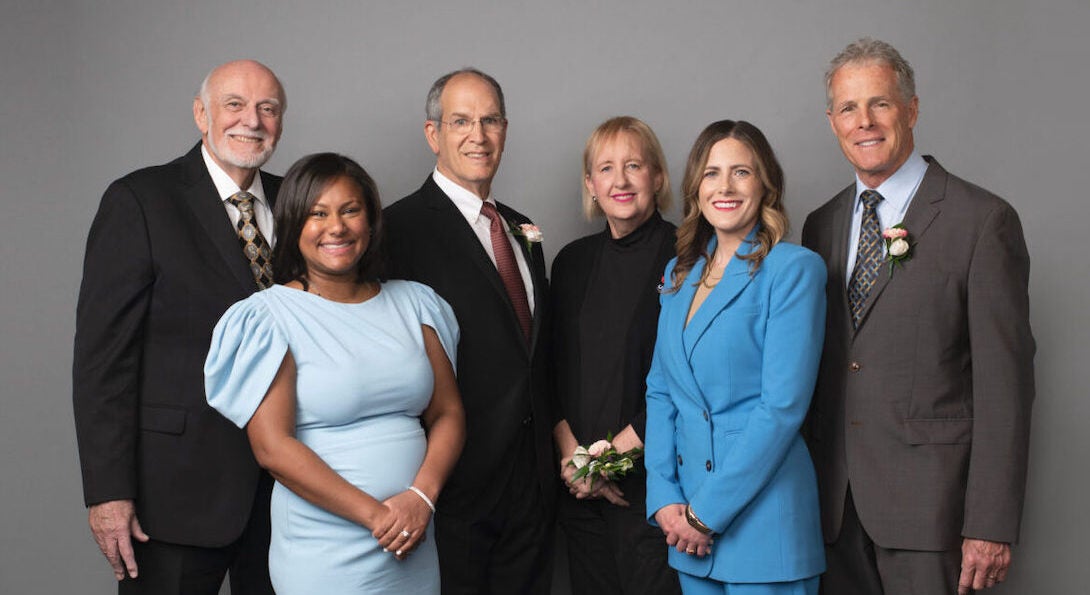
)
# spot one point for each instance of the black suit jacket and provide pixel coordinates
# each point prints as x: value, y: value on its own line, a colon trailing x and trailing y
x: 503, y: 381
x: 163, y: 263
x: 925, y: 408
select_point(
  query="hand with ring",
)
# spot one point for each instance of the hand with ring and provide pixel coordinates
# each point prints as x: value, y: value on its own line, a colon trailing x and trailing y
x: 679, y: 534
x: 404, y: 525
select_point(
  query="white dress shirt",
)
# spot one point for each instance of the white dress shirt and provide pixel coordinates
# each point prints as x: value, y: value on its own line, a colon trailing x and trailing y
x: 469, y: 205
x: 226, y: 187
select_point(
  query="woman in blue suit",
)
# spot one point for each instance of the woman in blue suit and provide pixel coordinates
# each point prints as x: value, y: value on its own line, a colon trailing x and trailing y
x: 729, y: 479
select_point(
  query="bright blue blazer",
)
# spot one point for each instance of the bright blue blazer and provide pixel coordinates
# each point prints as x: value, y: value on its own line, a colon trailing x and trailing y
x: 726, y: 396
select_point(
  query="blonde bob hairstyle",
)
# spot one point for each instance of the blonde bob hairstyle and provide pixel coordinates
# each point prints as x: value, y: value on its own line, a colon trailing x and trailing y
x: 609, y: 131
x: 695, y: 232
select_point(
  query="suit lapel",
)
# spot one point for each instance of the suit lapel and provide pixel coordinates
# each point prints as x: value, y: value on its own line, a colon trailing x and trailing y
x: 535, y: 262
x: 203, y: 200
x: 735, y: 278
x: 675, y: 333
x: 840, y: 229
x: 921, y: 212
x: 463, y: 241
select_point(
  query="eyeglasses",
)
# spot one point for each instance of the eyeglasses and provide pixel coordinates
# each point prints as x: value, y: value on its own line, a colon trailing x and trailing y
x: 489, y: 124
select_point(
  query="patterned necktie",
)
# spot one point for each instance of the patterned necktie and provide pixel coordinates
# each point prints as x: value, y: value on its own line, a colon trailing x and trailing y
x: 508, y: 267
x: 868, y: 257
x: 254, y: 245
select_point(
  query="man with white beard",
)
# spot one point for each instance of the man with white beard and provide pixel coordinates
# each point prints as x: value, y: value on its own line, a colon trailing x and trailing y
x: 175, y: 497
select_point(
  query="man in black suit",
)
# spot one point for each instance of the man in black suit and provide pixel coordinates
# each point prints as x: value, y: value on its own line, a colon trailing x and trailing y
x: 172, y: 487
x: 494, y: 523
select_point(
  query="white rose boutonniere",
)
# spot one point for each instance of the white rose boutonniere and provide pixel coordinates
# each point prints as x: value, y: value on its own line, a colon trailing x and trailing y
x: 898, y: 246
x: 530, y: 233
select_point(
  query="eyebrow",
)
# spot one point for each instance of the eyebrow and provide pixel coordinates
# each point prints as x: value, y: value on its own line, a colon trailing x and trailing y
x: 467, y: 116
x: 229, y: 96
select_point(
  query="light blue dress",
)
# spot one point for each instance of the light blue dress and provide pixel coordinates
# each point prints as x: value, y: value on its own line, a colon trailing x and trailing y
x: 363, y: 379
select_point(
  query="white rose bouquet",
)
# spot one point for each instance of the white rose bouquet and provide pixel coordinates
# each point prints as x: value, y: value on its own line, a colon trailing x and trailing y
x: 601, y: 459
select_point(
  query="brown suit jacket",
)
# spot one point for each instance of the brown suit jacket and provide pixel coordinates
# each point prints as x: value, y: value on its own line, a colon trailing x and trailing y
x: 925, y: 408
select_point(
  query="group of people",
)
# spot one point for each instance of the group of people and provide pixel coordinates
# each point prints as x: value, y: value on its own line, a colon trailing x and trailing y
x: 282, y: 381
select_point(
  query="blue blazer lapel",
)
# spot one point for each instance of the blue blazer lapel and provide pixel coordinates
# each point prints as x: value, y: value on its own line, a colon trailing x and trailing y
x: 923, y: 210
x: 673, y: 335
x: 735, y: 278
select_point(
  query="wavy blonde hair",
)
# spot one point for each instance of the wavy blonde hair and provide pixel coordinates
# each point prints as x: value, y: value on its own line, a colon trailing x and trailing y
x: 652, y: 152
x: 695, y: 232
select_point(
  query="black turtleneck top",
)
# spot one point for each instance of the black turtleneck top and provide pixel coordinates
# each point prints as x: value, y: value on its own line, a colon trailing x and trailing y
x: 605, y: 315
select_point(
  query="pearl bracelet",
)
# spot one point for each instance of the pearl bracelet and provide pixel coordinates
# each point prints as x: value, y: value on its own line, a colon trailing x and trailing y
x: 423, y: 497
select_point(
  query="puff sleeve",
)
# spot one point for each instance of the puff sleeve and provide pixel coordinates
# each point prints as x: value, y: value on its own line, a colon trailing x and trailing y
x: 435, y: 312
x: 246, y: 352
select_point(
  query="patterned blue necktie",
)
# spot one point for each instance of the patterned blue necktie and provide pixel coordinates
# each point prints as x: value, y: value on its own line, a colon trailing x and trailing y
x: 868, y: 257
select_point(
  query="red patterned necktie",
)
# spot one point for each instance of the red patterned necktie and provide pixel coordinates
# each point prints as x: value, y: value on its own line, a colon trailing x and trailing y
x: 868, y: 256
x: 508, y: 267
x: 253, y: 243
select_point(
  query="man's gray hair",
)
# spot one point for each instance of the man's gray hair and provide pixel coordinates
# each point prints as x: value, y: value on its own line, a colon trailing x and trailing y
x: 869, y: 50
x: 433, y: 108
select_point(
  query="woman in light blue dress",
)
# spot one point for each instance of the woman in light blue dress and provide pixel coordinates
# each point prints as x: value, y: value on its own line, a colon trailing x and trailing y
x: 346, y: 389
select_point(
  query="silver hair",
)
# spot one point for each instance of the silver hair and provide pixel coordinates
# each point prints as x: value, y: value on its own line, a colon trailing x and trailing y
x: 866, y: 50
x: 433, y: 108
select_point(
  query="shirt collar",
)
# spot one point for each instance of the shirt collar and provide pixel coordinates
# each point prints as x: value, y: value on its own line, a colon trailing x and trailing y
x: 898, y: 189
x: 225, y: 186
x: 468, y: 204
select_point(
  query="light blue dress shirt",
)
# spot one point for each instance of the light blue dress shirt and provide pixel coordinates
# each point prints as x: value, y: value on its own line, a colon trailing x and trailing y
x: 897, y: 193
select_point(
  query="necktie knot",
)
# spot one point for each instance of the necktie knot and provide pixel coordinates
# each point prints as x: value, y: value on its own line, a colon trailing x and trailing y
x: 244, y: 202
x: 870, y: 199
x: 489, y: 210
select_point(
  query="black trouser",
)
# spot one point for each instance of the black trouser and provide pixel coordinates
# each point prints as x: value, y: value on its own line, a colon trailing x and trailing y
x: 612, y: 550
x: 170, y: 569
x: 507, y: 550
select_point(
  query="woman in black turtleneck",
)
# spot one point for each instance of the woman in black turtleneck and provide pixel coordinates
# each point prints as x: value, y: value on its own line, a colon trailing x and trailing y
x: 605, y: 306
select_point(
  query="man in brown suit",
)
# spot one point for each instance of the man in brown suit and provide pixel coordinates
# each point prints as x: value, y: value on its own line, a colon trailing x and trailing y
x: 919, y: 426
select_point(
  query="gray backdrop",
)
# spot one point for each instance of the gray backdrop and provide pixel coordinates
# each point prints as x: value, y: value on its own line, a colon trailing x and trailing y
x: 93, y: 90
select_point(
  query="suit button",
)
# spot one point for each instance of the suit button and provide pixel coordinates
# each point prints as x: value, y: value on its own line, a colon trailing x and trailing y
x: 708, y: 465
x: 679, y: 460
x: 854, y: 366
x: 705, y: 416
